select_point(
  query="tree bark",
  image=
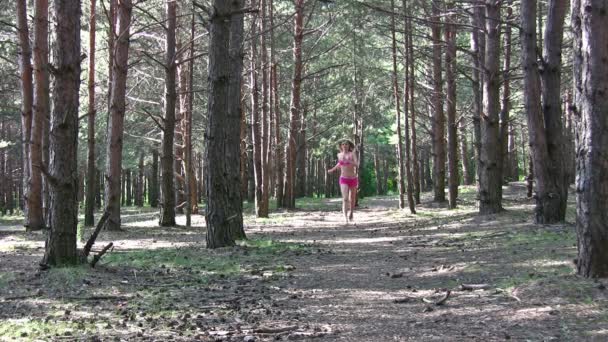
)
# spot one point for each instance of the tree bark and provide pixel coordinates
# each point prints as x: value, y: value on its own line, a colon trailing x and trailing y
x: 407, y: 97
x: 224, y: 214
x: 154, y: 186
x: 412, y: 73
x: 506, y: 100
x: 591, y: 106
x: 62, y: 174
x: 89, y: 219
x: 399, y: 147
x: 555, y: 200
x: 167, y: 209
x: 295, y: 107
x: 450, y: 73
x: 117, y: 114
x: 478, y: 43
x: 256, y: 120
x: 464, y: 154
x: 490, y: 182
x: 27, y: 93
x: 35, y: 214
x: 266, y: 122
x: 438, y: 124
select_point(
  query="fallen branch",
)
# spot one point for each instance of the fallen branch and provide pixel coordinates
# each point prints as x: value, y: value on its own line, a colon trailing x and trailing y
x: 439, y: 302
x: 87, y: 247
x: 97, y: 257
x: 403, y: 300
x: 473, y: 287
x: 267, y: 330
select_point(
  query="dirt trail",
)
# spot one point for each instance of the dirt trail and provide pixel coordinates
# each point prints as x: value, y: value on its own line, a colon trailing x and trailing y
x: 375, y: 280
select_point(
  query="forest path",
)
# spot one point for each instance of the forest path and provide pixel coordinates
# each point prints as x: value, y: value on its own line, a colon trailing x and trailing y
x: 307, y: 276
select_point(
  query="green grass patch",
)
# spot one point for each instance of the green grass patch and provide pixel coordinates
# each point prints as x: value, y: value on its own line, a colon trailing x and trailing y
x: 60, y: 277
x: 5, y: 279
x: 34, y: 329
x: 249, y: 256
x: 11, y: 220
x: 540, y: 238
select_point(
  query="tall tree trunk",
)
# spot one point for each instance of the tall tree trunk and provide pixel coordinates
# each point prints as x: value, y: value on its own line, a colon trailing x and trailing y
x: 490, y: 183
x: 438, y: 126
x: 591, y: 106
x: 554, y: 202
x: 117, y: 114
x: 450, y: 66
x: 294, y: 116
x: 256, y: 120
x: 167, y: 209
x: 399, y: 147
x: 506, y: 100
x: 191, y: 184
x: 478, y: 43
x: 409, y: 81
x: 412, y: 73
x: 128, y: 188
x: 35, y: 214
x: 62, y: 174
x: 224, y: 214
x: 89, y: 219
x: 27, y: 93
x: 266, y: 121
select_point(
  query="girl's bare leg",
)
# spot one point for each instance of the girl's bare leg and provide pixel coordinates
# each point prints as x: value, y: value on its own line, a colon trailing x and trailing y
x: 353, y: 201
x: 345, y: 201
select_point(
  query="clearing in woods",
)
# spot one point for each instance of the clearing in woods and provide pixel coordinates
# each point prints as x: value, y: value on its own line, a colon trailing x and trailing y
x: 441, y: 275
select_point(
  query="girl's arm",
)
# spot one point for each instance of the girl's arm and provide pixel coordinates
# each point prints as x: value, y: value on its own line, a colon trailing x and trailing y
x: 333, y: 168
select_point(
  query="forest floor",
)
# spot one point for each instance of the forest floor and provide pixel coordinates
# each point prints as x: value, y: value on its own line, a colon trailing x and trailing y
x: 304, y: 275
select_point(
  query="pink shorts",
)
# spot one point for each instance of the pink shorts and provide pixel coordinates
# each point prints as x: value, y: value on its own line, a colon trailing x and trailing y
x: 351, y: 182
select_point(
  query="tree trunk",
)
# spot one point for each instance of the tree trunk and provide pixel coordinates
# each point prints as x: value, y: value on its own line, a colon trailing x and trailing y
x: 256, y: 120
x: 450, y: 66
x: 412, y: 76
x: 224, y: 214
x: 63, y: 212
x: 506, y: 100
x: 478, y: 43
x: 117, y: 114
x: 490, y: 182
x: 399, y: 147
x: 555, y: 200
x: 438, y: 123
x: 301, y: 156
x: 591, y: 106
x: 154, y: 187
x: 89, y: 219
x: 139, y: 193
x: 27, y: 93
x: 167, y: 209
x: 278, y: 143
x: 35, y: 214
x: 464, y: 154
x: 512, y: 153
x: 191, y: 171
x: 266, y: 122
x: 409, y: 81
x: 548, y: 173
x: 294, y: 116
